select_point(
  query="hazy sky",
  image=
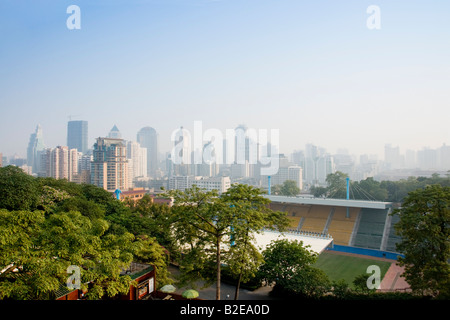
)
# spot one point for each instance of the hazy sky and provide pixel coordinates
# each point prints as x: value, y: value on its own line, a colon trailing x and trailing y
x: 311, y: 69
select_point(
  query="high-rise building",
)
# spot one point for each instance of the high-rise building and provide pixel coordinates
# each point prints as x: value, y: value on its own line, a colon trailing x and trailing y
x: 444, y: 157
x: 35, y: 147
x: 59, y: 163
x: 109, y: 168
x: 115, y: 133
x: 428, y: 158
x: 181, y: 155
x: 137, y: 157
x: 77, y: 135
x: 148, y: 138
x: 392, y: 158
x: 245, y: 153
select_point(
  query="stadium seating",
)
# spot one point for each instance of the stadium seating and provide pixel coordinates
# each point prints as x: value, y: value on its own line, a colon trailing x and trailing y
x: 294, y: 212
x: 371, y: 228
x: 316, y: 218
x: 341, y: 227
x: 363, y: 228
x: 393, y: 238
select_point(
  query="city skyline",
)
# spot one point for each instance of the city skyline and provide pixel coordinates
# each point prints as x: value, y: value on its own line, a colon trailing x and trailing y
x: 313, y: 71
x: 115, y: 133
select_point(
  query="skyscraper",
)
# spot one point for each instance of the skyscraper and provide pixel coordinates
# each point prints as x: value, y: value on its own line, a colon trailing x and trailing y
x: 109, y: 168
x: 59, y: 163
x: 148, y: 138
x: 137, y: 156
x: 77, y: 135
x: 115, y: 133
x: 181, y: 154
x: 35, y: 147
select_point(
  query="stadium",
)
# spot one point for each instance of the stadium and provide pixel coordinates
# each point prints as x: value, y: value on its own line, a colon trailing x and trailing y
x: 348, y: 235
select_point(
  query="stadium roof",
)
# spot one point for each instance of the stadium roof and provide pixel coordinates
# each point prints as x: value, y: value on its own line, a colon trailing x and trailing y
x: 317, y: 243
x: 330, y: 202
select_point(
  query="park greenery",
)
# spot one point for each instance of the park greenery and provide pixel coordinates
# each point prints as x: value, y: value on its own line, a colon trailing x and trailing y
x: 47, y: 225
x: 370, y: 189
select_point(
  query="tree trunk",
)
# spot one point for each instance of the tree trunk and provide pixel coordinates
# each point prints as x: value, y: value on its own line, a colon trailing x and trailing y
x: 236, y: 293
x: 218, y: 269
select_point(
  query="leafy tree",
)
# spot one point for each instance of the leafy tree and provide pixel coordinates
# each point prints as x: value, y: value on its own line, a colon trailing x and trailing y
x: 360, y: 284
x: 340, y: 288
x: 202, y: 226
x: 18, y: 233
x: 289, y: 265
x: 251, y: 209
x: 18, y: 190
x: 36, y: 251
x: 153, y: 219
x: 310, y: 282
x: 70, y: 188
x: 206, y: 223
x: 369, y: 189
x: 87, y: 208
x: 337, y: 185
x: 317, y: 191
x: 289, y: 188
x: 424, y: 231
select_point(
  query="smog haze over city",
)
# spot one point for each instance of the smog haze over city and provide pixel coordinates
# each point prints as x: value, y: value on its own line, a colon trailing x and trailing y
x: 337, y: 74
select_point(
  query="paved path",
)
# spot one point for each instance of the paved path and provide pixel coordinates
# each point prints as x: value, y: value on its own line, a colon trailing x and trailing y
x: 226, y: 291
x: 393, y: 280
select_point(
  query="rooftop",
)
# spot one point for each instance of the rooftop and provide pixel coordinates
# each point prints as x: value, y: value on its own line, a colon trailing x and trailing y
x: 331, y: 202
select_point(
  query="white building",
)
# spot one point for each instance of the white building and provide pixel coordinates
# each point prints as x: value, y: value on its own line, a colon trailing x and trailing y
x: 59, y: 163
x: 221, y: 184
x: 179, y: 182
x: 137, y: 159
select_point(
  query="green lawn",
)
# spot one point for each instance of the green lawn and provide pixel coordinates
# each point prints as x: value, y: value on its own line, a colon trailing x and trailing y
x: 347, y: 267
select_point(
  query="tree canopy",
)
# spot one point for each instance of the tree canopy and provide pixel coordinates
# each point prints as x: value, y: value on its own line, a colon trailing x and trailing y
x: 424, y: 230
x: 47, y: 225
x: 214, y: 230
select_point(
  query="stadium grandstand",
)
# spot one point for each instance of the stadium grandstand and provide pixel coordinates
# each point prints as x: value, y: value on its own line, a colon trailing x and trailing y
x: 355, y: 226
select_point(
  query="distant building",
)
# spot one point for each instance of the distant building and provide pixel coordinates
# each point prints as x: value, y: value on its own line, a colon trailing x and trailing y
x: 316, y: 165
x: 59, y: 163
x: 179, y: 182
x: 35, y: 147
x: 286, y: 172
x: 115, y: 133
x: 109, y: 167
x: 137, y: 159
x: 392, y: 157
x: 180, y: 161
x: 5, y: 161
x: 428, y: 158
x: 221, y: 184
x: 134, y: 194
x: 148, y: 138
x: 77, y: 135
